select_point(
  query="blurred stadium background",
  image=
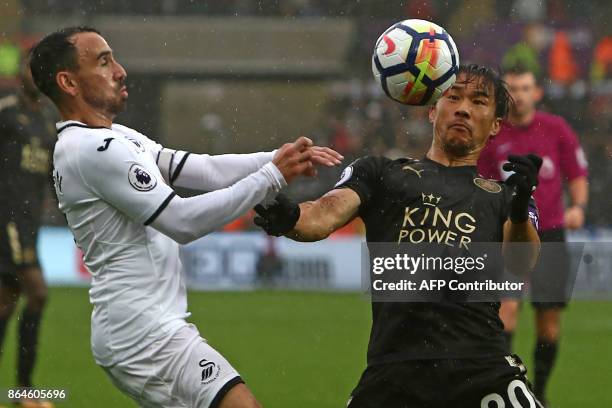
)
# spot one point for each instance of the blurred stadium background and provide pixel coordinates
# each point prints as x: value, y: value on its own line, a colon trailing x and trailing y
x: 241, y: 76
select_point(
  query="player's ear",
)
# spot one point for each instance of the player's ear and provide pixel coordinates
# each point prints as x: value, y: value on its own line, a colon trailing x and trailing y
x: 67, y: 82
x: 432, y: 113
x: 496, y: 127
x: 539, y: 93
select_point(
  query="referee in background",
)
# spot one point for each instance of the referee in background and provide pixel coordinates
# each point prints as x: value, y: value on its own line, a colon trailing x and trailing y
x: 529, y: 130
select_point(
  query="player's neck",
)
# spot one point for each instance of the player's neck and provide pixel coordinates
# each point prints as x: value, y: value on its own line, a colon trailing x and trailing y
x: 87, y: 115
x: 444, y: 158
x: 521, y: 120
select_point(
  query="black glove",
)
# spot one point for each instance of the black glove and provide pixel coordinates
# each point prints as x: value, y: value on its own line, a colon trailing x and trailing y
x: 524, y: 180
x: 279, y: 217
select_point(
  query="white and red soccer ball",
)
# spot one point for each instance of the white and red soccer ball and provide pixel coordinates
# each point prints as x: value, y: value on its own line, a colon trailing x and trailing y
x: 415, y: 61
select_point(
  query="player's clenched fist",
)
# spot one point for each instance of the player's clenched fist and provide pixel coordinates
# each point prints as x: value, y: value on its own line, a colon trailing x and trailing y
x: 300, y: 157
x: 279, y: 217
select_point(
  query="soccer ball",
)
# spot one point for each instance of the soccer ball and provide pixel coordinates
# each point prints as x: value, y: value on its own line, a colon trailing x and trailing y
x: 415, y: 61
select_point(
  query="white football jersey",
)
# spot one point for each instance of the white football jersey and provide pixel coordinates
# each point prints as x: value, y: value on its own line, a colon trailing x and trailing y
x: 110, y: 188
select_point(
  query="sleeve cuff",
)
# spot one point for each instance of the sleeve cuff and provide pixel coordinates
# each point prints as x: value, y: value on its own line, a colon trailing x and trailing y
x: 274, y: 175
x: 363, y: 195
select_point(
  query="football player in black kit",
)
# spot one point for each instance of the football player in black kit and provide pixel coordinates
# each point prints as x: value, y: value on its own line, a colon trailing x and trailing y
x: 435, y: 354
x: 27, y: 137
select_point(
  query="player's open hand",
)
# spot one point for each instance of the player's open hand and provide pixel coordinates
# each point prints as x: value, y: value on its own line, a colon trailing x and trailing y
x: 294, y: 159
x: 324, y: 156
x: 301, y: 157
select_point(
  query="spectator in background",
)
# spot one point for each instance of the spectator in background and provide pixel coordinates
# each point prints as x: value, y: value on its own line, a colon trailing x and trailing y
x: 525, y: 52
x: 601, y: 68
x: 269, y: 265
x: 562, y: 67
x: 550, y: 137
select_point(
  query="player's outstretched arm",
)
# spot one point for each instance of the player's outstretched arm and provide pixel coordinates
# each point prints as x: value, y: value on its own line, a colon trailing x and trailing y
x: 311, y: 220
x: 327, y: 214
x: 521, y: 244
x: 203, y: 172
x: 186, y: 219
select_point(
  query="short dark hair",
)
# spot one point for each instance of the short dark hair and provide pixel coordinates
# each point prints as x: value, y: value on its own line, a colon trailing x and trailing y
x: 54, y: 53
x: 491, y: 77
x: 521, y: 69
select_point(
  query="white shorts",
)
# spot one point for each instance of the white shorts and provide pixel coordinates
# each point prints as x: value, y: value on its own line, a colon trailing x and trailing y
x: 181, y: 370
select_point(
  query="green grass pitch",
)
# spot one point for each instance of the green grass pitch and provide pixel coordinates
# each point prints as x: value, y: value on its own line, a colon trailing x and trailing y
x: 297, y: 349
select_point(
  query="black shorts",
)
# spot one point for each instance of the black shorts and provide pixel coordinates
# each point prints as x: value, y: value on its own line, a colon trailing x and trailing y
x: 460, y: 383
x: 551, y: 283
x: 17, y: 246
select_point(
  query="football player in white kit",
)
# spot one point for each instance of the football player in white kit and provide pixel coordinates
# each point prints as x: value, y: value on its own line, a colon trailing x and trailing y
x: 115, y: 187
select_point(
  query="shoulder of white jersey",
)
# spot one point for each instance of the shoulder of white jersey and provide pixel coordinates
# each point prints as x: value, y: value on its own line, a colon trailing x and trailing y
x: 77, y: 134
x: 135, y: 135
x: 75, y: 144
x: 73, y: 128
x: 129, y: 132
x: 66, y: 132
x: 93, y: 146
x: 123, y: 128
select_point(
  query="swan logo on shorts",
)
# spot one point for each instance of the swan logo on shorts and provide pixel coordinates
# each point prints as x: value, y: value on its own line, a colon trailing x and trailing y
x: 515, y: 361
x: 210, y: 371
x: 140, y: 179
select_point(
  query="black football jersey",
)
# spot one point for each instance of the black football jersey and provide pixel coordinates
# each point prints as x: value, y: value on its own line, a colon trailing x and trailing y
x: 27, y: 138
x: 416, y: 201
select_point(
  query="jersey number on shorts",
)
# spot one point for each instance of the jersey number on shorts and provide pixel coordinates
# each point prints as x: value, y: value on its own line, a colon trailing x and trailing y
x: 513, y: 387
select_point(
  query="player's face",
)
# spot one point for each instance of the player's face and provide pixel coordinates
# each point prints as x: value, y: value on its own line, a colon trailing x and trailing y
x: 100, y: 79
x: 525, y: 92
x: 464, y: 117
